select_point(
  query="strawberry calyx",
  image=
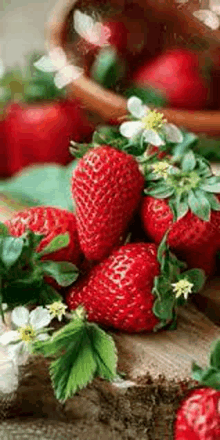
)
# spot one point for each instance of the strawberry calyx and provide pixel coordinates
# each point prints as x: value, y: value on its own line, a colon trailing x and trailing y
x: 173, y: 286
x: 209, y: 376
x: 23, y: 271
x: 190, y: 184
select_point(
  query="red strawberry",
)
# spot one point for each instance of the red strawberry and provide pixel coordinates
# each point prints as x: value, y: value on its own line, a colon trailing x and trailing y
x: 118, y: 291
x: 48, y: 221
x: 181, y: 198
x: 176, y: 73
x: 41, y: 132
x: 198, y: 417
x: 191, y: 238
x: 106, y: 188
x: 132, y: 289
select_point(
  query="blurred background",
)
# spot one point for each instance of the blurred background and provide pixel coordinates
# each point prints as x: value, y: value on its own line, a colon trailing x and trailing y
x: 22, y: 28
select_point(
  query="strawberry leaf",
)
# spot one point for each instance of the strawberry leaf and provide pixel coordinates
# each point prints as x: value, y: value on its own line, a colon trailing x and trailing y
x: 210, y: 376
x: 3, y: 230
x: 211, y: 184
x: 213, y: 201
x: 180, y: 205
x: 188, y: 161
x: 198, y: 205
x: 83, y: 350
x: 160, y: 191
x: 59, y: 242
x: 196, y: 277
x: 163, y: 308
x: 107, y: 68
x: 11, y: 249
x: 64, y: 272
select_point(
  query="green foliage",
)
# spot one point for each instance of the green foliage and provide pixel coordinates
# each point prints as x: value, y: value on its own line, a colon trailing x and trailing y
x: 22, y: 272
x: 108, y: 67
x: 209, y: 376
x: 28, y: 84
x: 171, y: 271
x: 39, y: 185
x: 82, y: 351
x: 189, y: 185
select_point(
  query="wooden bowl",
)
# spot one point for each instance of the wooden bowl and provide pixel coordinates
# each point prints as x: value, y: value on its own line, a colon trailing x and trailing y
x: 169, y: 23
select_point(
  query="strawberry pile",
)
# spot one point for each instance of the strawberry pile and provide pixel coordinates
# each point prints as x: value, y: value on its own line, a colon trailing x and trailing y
x: 143, y: 238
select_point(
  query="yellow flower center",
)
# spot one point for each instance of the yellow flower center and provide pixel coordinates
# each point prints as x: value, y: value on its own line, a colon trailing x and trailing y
x: 161, y: 169
x: 153, y: 121
x: 27, y: 333
x: 57, y: 309
x: 182, y: 287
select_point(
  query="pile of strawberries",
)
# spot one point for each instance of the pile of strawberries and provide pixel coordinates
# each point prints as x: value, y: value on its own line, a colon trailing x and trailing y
x: 132, y: 224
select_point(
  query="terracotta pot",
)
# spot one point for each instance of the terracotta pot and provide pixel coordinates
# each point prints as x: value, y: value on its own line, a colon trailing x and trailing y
x: 170, y: 23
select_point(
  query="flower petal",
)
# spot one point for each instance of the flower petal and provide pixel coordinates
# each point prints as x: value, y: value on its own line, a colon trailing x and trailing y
x: 153, y: 138
x: 42, y: 336
x: 173, y: 134
x: 20, y: 316
x: 8, y: 373
x: 40, y: 317
x: 19, y: 353
x: 136, y: 108
x: 8, y: 337
x: 130, y: 129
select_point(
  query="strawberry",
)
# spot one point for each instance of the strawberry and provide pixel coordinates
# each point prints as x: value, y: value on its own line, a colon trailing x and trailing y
x: 132, y: 290
x: 191, y: 238
x: 198, y: 417
x: 106, y: 188
x: 177, y: 75
x: 50, y: 222
x: 41, y: 132
x: 39, y: 250
x: 182, y: 202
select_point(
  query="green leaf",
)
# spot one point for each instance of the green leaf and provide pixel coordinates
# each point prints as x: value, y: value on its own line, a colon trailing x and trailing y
x: 3, y: 229
x: 181, y: 206
x: 64, y: 272
x: 47, y: 295
x: 196, y: 277
x: 84, y: 351
x: 211, y: 184
x: 163, y: 309
x: 204, y: 204
x: 59, y: 242
x: 41, y: 184
x: 11, y: 250
x: 189, y: 141
x: 107, y: 68
x: 188, y: 161
x: 162, y: 248
x: 104, y: 352
x: 213, y: 201
x: 198, y: 206
x: 215, y: 356
x: 196, y: 372
x: 75, y: 369
x: 160, y: 191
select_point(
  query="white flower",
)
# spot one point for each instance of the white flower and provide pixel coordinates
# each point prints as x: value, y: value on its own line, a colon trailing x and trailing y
x: 30, y: 327
x: 56, y: 61
x: 8, y: 372
x: 150, y: 124
x: 57, y: 309
x: 182, y: 287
